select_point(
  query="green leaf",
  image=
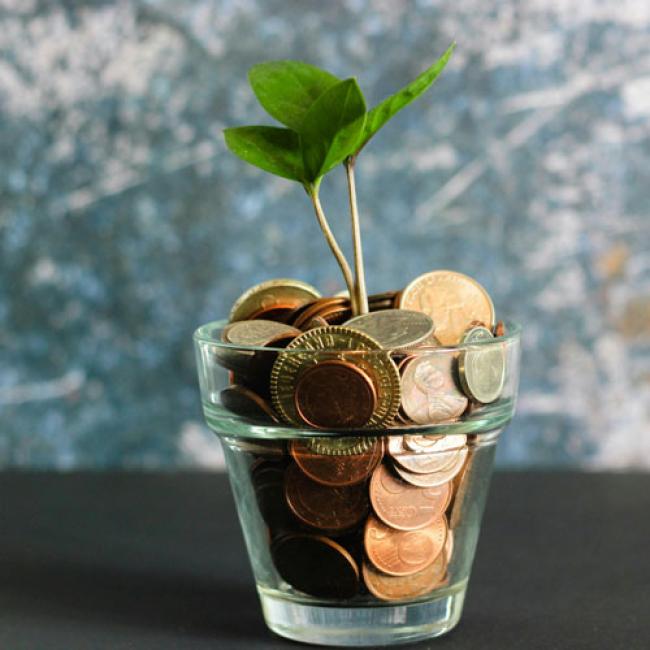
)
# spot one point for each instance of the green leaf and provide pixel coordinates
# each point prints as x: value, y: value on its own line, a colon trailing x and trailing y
x: 270, y: 148
x: 287, y: 89
x: 384, y: 111
x: 332, y: 127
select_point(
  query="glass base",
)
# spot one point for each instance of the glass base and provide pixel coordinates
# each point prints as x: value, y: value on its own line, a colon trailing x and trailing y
x: 378, y: 625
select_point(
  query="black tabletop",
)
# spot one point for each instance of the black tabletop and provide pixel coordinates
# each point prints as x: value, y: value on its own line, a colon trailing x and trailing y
x: 157, y: 561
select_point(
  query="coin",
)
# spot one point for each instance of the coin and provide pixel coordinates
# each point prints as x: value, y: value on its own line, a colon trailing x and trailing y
x: 482, y: 369
x: 272, y: 294
x: 387, y: 587
x: 341, y: 343
x: 258, y: 333
x: 402, y: 506
x: 427, y: 443
x: 435, y: 478
x: 340, y: 445
x: 333, y: 509
x: 268, y: 482
x: 439, y: 456
x: 403, y: 553
x: 319, y: 308
x: 394, y: 328
x: 316, y: 565
x: 335, y: 394
x: 453, y: 300
x: 316, y: 321
x: 499, y: 329
x: 245, y: 402
x: 462, y: 483
x: 336, y: 470
x: 429, y: 392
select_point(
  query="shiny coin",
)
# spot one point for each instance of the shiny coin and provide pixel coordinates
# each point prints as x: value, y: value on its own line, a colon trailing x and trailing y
x: 259, y: 333
x: 387, y: 587
x: 341, y: 445
x: 403, y: 553
x: 426, y: 443
x: 316, y: 565
x: 440, y: 455
x: 452, y: 300
x: 482, y: 369
x: 272, y: 294
x: 335, y: 394
x: 245, y: 402
x: 429, y: 392
x: 403, y: 506
x: 394, y: 328
x: 435, y: 478
x: 333, y: 509
x: 336, y: 470
x: 344, y: 344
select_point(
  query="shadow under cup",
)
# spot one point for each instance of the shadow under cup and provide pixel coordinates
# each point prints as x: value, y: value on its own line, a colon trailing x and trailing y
x: 364, y: 536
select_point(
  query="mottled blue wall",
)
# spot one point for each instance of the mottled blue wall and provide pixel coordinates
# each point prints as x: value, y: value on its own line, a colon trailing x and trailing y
x: 124, y: 223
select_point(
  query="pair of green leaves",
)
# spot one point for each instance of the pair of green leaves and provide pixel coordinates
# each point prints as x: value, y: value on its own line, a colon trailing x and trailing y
x: 326, y: 118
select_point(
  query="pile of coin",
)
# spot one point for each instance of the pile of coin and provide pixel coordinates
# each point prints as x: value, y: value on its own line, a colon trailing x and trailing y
x: 304, y: 360
x: 361, y: 516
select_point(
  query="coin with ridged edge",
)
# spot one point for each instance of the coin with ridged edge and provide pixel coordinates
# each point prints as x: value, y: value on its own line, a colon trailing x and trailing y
x: 341, y: 445
x: 482, y: 369
x: 342, y: 343
x: 284, y: 293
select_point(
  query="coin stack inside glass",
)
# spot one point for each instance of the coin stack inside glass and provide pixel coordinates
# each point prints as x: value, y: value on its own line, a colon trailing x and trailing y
x: 350, y: 513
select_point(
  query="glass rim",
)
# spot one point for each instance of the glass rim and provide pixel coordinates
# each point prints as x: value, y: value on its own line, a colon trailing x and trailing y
x: 202, y: 334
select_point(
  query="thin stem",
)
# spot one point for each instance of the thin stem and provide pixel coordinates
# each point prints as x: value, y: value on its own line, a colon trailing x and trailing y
x: 335, y: 248
x: 361, y: 295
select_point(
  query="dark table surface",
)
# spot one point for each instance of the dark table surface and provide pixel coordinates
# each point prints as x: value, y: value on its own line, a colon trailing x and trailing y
x: 157, y: 561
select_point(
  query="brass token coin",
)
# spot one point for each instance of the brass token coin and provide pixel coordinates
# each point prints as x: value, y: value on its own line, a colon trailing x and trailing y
x: 403, y: 506
x: 482, y: 369
x: 316, y: 565
x: 245, y: 402
x: 452, y: 300
x: 332, y: 509
x: 281, y: 293
x: 429, y: 392
x: 387, y: 587
x: 341, y: 343
x: 341, y: 445
x: 336, y: 470
x: 335, y: 394
x: 394, y: 328
x: 403, y: 553
x: 435, y: 478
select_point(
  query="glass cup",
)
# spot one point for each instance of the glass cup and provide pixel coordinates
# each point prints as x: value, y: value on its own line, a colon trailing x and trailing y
x: 363, y: 535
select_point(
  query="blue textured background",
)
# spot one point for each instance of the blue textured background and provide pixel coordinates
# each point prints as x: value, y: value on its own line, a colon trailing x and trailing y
x: 124, y: 223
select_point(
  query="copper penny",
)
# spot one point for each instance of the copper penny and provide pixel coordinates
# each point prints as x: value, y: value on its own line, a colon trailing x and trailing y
x: 336, y: 470
x: 429, y: 392
x: 335, y: 394
x: 316, y: 321
x: 317, y: 307
x: 316, y: 565
x: 332, y: 509
x: 403, y: 506
x: 403, y: 553
x: 387, y: 587
x: 499, y: 329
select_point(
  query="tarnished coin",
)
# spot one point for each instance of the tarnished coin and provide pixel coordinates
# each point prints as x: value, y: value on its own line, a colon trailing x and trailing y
x: 394, y: 328
x: 429, y: 392
x: 332, y: 509
x: 336, y: 470
x: 319, y: 309
x: 386, y: 587
x: 341, y: 343
x: 482, y: 369
x: 245, y: 402
x: 453, y: 300
x: 335, y: 394
x: 435, y: 478
x: 439, y: 456
x: 316, y: 565
x: 403, y: 506
x: 341, y: 445
x: 268, y: 480
x: 281, y: 293
x: 403, y: 553
x: 259, y: 333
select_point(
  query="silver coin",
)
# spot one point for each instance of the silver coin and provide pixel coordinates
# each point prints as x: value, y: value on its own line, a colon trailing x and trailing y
x: 434, y: 478
x: 482, y: 370
x: 394, y: 328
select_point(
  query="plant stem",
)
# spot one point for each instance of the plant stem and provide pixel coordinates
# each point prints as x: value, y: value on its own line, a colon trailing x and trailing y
x: 335, y: 248
x: 361, y: 295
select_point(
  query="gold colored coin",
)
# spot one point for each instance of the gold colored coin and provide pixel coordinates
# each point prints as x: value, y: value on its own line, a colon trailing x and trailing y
x: 342, y: 343
x: 452, y: 300
x: 285, y: 293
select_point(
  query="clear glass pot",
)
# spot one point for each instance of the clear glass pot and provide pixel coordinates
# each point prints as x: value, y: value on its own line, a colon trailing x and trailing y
x: 361, y: 536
